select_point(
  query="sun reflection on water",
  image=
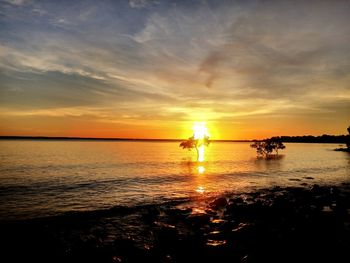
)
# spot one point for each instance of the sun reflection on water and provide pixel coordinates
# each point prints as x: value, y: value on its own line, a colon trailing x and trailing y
x: 201, y: 169
x: 200, y: 189
x: 201, y: 153
x: 200, y: 133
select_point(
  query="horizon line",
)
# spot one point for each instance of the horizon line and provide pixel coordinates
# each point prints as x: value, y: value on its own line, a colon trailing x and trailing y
x: 72, y: 138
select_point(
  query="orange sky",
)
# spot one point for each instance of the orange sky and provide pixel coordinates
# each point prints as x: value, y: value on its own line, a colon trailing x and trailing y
x: 77, y: 127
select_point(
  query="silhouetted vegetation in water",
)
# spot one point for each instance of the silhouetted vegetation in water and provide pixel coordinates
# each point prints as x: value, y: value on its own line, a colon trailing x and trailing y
x: 192, y: 143
x: 263, y: 147
x: 347, y: 141
x: 266, y: 147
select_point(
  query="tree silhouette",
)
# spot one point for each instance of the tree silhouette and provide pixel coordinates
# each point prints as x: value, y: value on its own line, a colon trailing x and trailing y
x: 267, y: 147
x: 192, y: 143
x: 348, y: 139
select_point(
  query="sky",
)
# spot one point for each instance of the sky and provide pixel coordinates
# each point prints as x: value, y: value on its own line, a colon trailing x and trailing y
x: 151, y: 68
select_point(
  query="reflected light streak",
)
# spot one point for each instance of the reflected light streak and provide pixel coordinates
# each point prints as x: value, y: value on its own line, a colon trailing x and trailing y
x: 200, y: 190
x: 201, y: 153
x: 201, y: 169
x: 200, y: 133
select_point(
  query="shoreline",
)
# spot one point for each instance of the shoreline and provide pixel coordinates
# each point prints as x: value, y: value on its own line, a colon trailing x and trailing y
x: 279, y: 224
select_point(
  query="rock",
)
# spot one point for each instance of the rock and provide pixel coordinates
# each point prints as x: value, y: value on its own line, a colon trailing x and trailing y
x: 210, y: 211
x: 218, y: 221
x: 218, y: 203
x: 199, y: 219
x: 240, y: 227
x: 178, y: 212
x: 334, y: 191
x: 276, y: 189
x: 245, y: 259
x: 164, y: 225
x: 215, y: 243
x: 326, y: 209
x: 150, y: 215
x: 167, y: 233
x: 237, y: 200
x: 316, y: 189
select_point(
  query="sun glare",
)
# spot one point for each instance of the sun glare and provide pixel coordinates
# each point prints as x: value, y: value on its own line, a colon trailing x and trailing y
x: 200, y: 131
x: 201, y: 153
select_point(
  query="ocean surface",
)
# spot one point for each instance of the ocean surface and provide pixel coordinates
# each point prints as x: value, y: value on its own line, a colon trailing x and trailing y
x: 45, y: 178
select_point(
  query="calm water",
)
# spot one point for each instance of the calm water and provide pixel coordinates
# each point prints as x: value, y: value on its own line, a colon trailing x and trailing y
x: 39, y: 178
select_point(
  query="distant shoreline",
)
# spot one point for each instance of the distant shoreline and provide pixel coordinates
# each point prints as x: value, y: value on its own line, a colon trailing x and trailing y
x: 287, y: 139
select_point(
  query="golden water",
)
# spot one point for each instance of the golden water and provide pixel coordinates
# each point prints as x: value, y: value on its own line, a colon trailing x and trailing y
x: 40, y: 178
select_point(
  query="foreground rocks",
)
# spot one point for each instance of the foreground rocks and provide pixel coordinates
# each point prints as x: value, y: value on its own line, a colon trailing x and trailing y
x: 272, y: 225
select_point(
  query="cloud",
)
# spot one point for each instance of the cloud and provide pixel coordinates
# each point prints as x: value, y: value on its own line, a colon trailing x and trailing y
x: 141, y: 3
x: 210, y: 65
x: 17, y: 2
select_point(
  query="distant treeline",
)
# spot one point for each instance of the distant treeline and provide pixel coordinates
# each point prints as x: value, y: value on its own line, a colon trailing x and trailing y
x: 314, y: 139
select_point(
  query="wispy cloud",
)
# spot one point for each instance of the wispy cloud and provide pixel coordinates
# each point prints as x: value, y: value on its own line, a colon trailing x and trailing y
x: 142, y: 3
x: 17, y: 2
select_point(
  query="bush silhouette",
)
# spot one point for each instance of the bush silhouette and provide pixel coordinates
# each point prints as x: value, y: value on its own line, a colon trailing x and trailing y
x: 266, y: 147
x: 192, y: 143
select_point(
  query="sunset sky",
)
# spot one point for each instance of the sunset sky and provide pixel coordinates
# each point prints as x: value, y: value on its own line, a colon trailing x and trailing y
x: 151, y: 68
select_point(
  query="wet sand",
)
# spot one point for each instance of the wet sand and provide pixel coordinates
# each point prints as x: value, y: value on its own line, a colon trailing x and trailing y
x: 294, y: 224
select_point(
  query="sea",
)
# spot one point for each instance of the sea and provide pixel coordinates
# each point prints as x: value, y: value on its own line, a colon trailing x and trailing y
x: 40, y: 178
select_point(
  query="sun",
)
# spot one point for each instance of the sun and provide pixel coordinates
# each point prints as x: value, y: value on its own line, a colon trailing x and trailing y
x: 200, y: 130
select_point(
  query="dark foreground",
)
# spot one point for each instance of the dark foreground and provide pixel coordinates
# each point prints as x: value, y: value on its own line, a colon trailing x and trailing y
x: 273, y: 225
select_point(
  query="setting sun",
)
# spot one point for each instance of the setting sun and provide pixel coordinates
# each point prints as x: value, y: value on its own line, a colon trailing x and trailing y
x: 200, y: 131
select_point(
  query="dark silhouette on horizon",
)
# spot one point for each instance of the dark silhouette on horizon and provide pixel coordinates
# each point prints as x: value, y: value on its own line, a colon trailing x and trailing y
x: 347, y: 142
x: 192, y: 143
x: 266, y: 147
x: 325, y: 138
x: 348, y: 139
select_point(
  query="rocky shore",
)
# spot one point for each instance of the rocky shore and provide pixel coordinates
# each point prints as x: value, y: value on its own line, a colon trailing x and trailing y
x: 295, y: 224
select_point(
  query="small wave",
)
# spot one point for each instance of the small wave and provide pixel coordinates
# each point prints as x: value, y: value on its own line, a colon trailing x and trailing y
x: 117, y: 210
x: 52, y: 186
